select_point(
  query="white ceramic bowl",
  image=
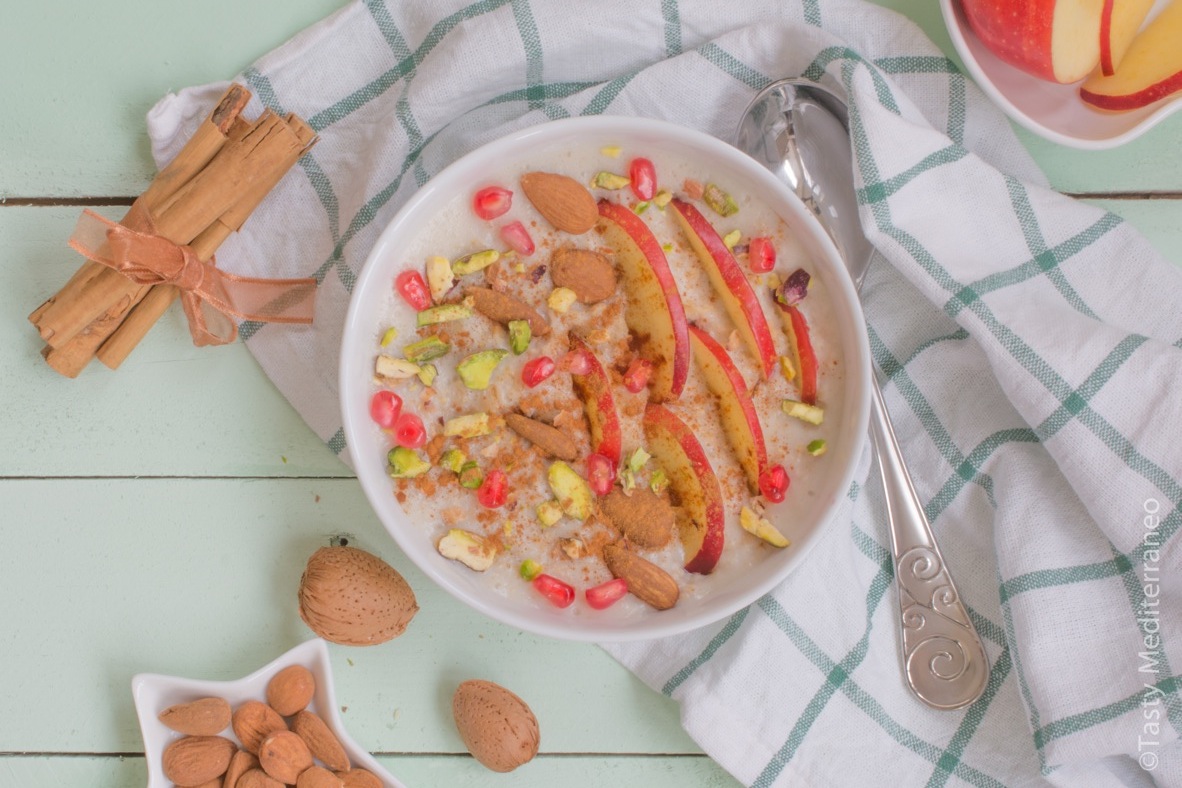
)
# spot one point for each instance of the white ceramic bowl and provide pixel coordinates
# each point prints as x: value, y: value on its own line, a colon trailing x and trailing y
x: 154, y: 693
x: 1053, y: 111
x: 528, y: 611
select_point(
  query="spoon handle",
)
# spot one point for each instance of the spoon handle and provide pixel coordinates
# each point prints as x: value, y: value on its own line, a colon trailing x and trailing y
x: 943, y: 658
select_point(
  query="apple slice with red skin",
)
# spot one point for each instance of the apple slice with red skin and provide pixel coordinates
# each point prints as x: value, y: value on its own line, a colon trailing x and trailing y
x: 1119, y: 22
x: 701, y: 522
x: 595, y: 389
x: 1056, y: 40
x: 1150, y: 71
x: 797, y: 329
x: 740, y: 422
x: 655, y: 314
x: 729, y: 282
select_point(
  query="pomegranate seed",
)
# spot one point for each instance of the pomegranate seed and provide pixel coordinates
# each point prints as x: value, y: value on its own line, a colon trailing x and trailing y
x: 606, y: 594
x: 644, y: 178
x: 601, y: 474
x: 761, y: 255
x: 409, y: 431
x: 693, y: 189
x: 517, y: 238
x: 537, y: 370
x: 491, y: 202
x: 493, y: 490
x: 413, y: 289
x: 636, y: 378
x: 773, y: 483
x: 384, y: 408
x: 559, y: 593
x: 575, y: 362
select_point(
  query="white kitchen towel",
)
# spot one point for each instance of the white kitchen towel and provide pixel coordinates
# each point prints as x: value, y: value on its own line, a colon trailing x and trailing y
x: 1031, y: 347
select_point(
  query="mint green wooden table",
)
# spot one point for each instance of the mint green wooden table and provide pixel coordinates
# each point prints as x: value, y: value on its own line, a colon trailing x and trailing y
x: 158, y: 519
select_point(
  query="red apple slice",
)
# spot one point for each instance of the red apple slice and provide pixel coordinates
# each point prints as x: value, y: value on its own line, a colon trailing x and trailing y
x: 692, y: 480
x: 740, y: 422
x: 797, y: 329
x: 1119, y: 23
x: 1058, y: 40
x: 1150, y: 71
x: 595, y: 389
x: 729, y: 282
x: 655, y: 313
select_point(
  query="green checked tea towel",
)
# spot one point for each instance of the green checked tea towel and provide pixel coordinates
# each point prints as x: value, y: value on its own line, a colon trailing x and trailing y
x: 1031, y: 347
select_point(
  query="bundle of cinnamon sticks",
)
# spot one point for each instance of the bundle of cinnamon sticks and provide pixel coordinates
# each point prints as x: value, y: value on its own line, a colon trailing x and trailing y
x: 206, y: 193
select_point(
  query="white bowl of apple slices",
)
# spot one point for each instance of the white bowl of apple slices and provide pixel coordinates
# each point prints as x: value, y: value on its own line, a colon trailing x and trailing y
x: 605, y: 379
x: 1090, y: 74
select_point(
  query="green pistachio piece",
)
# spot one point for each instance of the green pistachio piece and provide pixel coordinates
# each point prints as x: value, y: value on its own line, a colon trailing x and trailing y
x: 427, y: 374
x: 662, y: 198
x: 476, y: 370
x: 530, y: 569
x: 477, y: 261
x: 637, y: 459
x: 731, y: 239
x: 817, y: 447
x: 453, y: 460
x: 406, y: 463
x: 471, y: 425
x: 571, y: 490
x: 440, y: 277
x: 471, y: 476
x: 659, y: 481
x: 442, y: 314
x: 390, y: 368
x: 426, y: 349
x: 609, y: 180
x: 549, y: 513
x: 719, y: 200
x: 799, y: 410
x: 519, y: 336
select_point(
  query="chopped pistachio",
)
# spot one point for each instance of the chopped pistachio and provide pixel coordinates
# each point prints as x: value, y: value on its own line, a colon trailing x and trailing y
x: 561, y: 299
x: 427, y: 373
x: 667, y: 247
x: 468, y: 548
x: 471, y: 476
x: 470, y: 425
x: 519, y: 268
x: 641, y: 207
x: 611, y: 151
x: 477, y: 261
x: 759, y: 526
x: 774, y: 280
x: 549, y: 513
x: 787, y: 368
x: 609, y: 180
x: 442, y: 314
x: 426, y: 349
x: 519, y: 336
x: 659, y: 481
x: 391, y: 368
x: 529, y: 569
x: 637, y: 459
x: 453, y: 460
x: 662, y: 198
x: 571, y: 490
x: 388, y: 337
x: 404, y: 463
x: 730, y: 239
x: 719, y: 200
x: 476, y: 370
x: 817, y: 447
x: 799, y: 410
x: 628, y: 480
x: 440, y: 277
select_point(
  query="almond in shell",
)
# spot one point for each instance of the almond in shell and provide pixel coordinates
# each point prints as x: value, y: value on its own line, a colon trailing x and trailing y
x: 204, y: 717
x: 291, y: 689
x: 284, y: 756
x: 646, y: 581
x: 254, y: 721
x: 566, y: 203
x: 589, y: 274
x: 321, y: 741
x: 354, y: 598
x: 497, y: 727
x: 194, y: 760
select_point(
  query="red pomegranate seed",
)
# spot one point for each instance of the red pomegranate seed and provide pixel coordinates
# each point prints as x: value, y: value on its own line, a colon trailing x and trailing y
x: 773, y: 483
x: 761, y: 255
x: 491, y: 202
x: 575, y: 362
x: 493, y: 490
x: 413, y: 289
x: 559, y: 593
x: 601, y: 474
x: 409, y: 431
x: 517, y: 238
x: 537, y: 370
x: 693, y: 189
x: 644, y: 178
x: 606, y: 594
x: 636, y: 378
x: 384, y: 408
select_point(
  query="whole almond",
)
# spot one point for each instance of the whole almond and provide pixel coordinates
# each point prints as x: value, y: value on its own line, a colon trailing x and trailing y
x: 284, y: 755
x: 647, y: 581
x: 497, y: 727
x: 321, y: 741
x: 354, y: 598
x: 318, y: 777
x: 588, y: 273
x: 359, y: 778
x: 257, y: 778
x: 566, y: 203
x: 503, y: 307
x: 254, y: 721
x: 204, y: 717
x: 194, y: 760
x: 291, y: 689
x: 240, y: 764
x: 643, y: 516
x: 549, y: 439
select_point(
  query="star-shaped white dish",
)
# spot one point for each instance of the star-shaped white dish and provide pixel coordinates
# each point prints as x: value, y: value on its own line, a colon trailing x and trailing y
x: 154, y: 693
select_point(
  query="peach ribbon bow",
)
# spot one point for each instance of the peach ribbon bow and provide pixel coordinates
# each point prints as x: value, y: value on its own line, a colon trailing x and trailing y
x: 210, y: 296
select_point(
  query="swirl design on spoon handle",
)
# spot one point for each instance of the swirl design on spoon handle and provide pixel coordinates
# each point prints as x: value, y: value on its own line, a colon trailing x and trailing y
x: 943, y: 656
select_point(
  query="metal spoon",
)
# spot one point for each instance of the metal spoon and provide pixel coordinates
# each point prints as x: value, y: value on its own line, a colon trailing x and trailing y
x: 800, y: 131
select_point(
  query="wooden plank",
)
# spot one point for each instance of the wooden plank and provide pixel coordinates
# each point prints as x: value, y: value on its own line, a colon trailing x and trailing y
x: 171, y: 410
x: 102, y: 579
x: 49, y: 152
x: 606, y: 771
